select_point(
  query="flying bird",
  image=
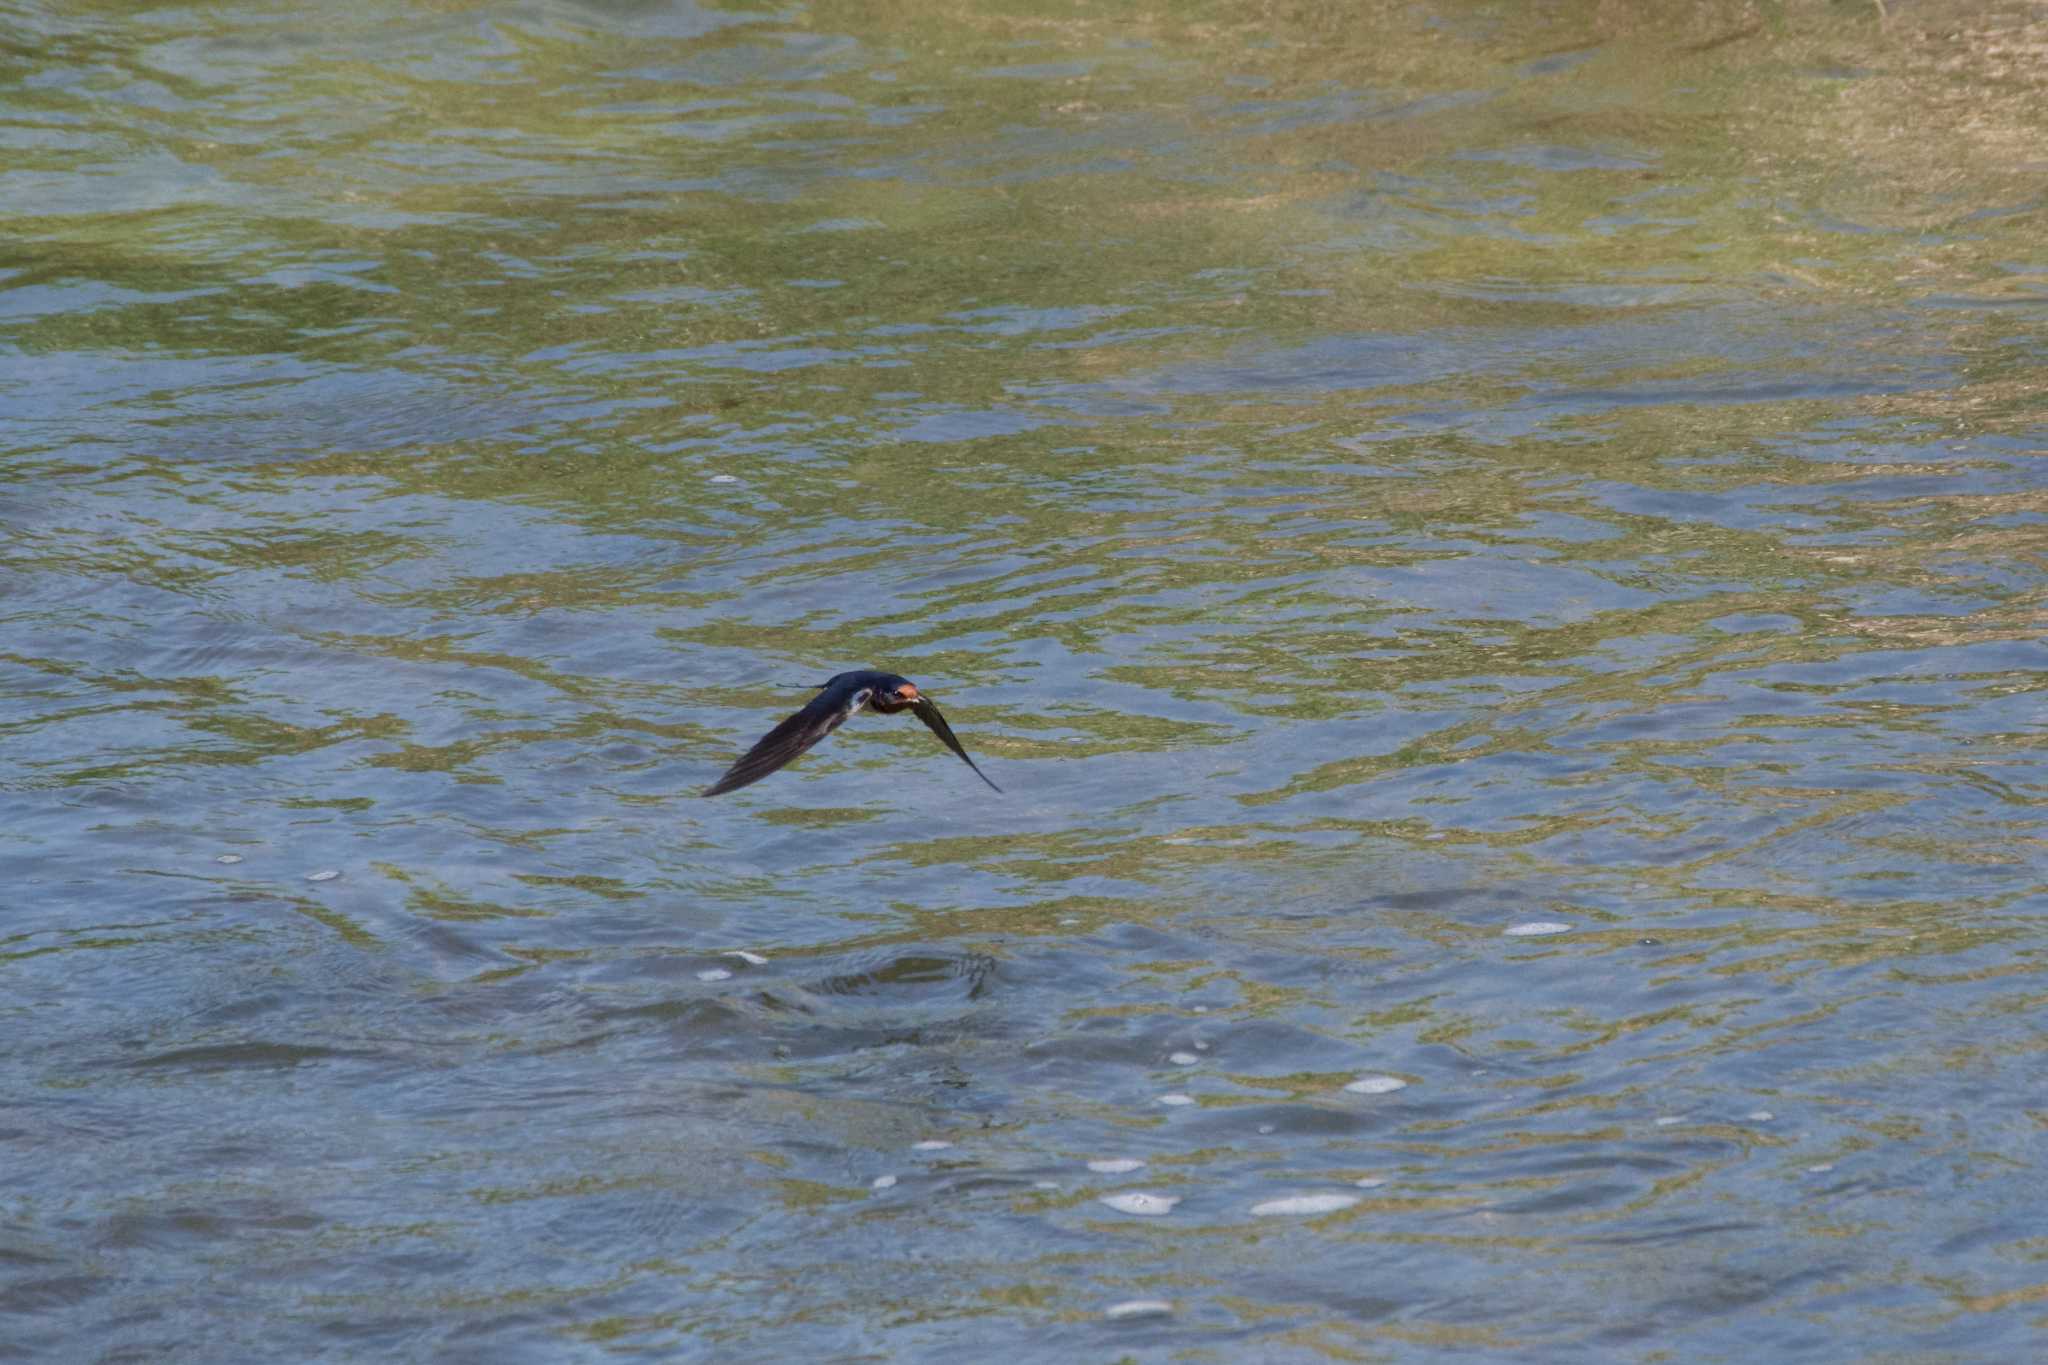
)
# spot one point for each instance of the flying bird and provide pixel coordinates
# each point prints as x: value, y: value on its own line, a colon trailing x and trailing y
x: 838, y: 699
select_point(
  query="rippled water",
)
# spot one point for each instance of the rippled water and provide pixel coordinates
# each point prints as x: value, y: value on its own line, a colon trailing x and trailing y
x: 1366, y: 481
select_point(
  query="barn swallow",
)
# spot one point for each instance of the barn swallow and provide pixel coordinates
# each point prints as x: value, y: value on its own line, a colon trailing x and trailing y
x: 836, y: 700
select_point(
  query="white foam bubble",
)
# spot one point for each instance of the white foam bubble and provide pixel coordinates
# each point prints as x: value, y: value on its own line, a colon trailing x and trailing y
x: 1369, y: 1182
x: 1822, y: 1169
x: 723, y: 478
x: 751, y: 959
x: 930, y: 1145
x: 1183, y: 1058
x: 1137, y: 1308
x: 1668, y: 1120
x: 1303, y: 1204
x: 1176, y: 1099
x: 229, y: 858
x: 882, y: 1182
x: 1201, y: 1046
x: 325, y: 874
x: 714, y: 974
x: 1118, y: 1165
x: 1141, y: 1203
x: 1761, y: 1116
x: 1536, y: 928
x: 1376, y: 1085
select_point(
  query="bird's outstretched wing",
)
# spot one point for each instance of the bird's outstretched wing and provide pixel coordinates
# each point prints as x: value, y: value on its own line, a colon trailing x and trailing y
x: 786, y: 741
x: 936, y: 723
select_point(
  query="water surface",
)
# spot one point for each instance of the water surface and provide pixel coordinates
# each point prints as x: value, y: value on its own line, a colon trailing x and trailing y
x: 1365, y: 480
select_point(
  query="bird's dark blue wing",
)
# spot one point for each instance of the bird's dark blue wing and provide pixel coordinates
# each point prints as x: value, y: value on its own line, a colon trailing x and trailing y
x: 826, y: 713
x: 927, y: 712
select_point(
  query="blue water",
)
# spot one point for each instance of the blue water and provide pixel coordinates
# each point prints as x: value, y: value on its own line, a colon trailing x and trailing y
x: 1363, y: 482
